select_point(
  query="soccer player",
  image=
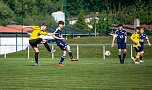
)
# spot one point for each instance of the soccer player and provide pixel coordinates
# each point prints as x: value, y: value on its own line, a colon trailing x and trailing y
x: 34, y: 39
x: 136, y: 40
x: 143, y: 37
x: 63, y: 46
x: 121, y: 36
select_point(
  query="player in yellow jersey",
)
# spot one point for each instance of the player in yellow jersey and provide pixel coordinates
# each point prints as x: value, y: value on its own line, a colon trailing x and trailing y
x: 34, y: 39
x: 136, y: 40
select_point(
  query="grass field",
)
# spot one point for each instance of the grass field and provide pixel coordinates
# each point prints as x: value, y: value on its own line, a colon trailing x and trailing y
x: 91, y: 72
x: 85, y: 74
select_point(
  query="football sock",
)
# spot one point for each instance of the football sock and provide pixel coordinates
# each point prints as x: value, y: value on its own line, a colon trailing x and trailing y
x: 124, y: 55
x: 119, y: 55
x: 137, y: 57
x: 141, y: 57
x: 36, y: 57
x: 70, y: 54
x: 62, y: 59
x: 47, y: 47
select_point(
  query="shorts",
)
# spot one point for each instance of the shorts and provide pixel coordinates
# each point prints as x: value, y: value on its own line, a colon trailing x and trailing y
x: 121, y: 45
x: 142, y: 48
x: 62, y: 45
x: 138, y: 49
x: 34, y: 42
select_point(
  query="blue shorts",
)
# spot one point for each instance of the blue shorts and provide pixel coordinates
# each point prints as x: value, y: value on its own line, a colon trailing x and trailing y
x: 142, y: 48
x: 62, y: 45
x: 121, y: 45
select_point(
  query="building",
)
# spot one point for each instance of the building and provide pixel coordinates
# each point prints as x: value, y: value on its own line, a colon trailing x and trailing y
x: 13, y: 38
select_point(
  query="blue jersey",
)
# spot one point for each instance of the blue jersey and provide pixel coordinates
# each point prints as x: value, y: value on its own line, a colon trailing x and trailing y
x: 120, y: 34
x: 58, y: 34
x: 143, y: 37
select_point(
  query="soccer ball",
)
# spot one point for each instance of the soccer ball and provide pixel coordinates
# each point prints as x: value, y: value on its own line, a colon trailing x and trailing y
x: 107, y: 53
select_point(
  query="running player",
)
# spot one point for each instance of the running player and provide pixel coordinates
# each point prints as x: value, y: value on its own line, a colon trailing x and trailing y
x: 136, y: 40
x: 63, y: 46
x: 121, y: 36
x: 143, y: 37
x: 34, y: 40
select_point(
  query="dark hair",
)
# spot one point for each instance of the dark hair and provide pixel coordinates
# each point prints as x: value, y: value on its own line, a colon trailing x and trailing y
x: 61, y: 22
x: 44, y: 24
x: 138, y: 28
x: 120, y: 25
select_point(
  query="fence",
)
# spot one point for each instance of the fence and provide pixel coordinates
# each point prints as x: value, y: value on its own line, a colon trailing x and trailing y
x: 77, y: 49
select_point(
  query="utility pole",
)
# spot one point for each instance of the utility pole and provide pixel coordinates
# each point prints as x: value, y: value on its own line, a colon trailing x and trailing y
x: 65, y: 17
x: 22, y: 24
x: 107, y: 11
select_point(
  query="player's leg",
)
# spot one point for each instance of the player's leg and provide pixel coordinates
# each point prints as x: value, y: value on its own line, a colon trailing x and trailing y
x: 36, y: 55
x: 137, y: 57
x: 47, y: 46
x: 70, y: 53
x: 34, y: 43
x: 119, y: 52
x: 62, y: 58
x: 141, y: 54
x: 63, y: 48
x: 124, y: 51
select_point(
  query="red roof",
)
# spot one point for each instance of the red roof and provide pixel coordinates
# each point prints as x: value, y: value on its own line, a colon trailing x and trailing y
x: 14, y: 28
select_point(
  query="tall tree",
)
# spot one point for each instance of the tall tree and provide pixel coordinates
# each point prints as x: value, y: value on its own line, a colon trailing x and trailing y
x: 81, y: 24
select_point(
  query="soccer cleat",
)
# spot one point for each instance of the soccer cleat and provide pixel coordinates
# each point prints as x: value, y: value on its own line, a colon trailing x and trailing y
x: 122, y: 61
x: 137, y: 63
x: 36, y: 64
x: 141, y: 61
x: 74, y: 59
x: 60, y: 65
x: 53, y: 51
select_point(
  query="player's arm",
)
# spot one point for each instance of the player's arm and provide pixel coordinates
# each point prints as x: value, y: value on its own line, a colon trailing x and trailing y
x: 148, y: 41
x: 126, y: 37
x: 26, y: 26
x: 113, y: 40
x: 57, y: 37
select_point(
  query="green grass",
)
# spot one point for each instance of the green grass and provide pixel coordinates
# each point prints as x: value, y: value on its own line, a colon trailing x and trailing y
x: 91, y: 72
x: 86, y: 74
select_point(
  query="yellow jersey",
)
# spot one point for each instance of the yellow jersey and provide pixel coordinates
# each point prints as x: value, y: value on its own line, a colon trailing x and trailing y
x: 136, y: 38
x: 36, y: 32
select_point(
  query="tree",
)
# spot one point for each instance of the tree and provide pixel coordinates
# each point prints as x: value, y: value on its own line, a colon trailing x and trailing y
x: 81, y: 24
x: 6, y: 14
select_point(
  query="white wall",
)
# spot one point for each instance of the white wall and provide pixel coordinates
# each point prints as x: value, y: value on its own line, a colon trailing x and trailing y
x: 12, y: 42
x: 59, y: 16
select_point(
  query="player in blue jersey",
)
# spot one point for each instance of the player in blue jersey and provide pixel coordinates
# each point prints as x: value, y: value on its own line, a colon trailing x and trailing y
x: 63, y: 46
x: 121, y: 36
x: 143, y: 37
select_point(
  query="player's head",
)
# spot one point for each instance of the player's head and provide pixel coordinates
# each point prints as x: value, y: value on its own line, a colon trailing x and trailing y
x: 44, y: 26
x: 120, y: 26
x: 61, y: 24
x: 142, y: 30
x: 137, y: 30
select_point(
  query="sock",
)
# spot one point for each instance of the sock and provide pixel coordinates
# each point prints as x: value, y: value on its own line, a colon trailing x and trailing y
x: 124, y: 55
x: 36, y: 57
x: 47, y: 47
x: 141, y: 57
x: 119, y: 55
x: 62, y: 59
x: 70, y: 54
x: 137, y: 57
